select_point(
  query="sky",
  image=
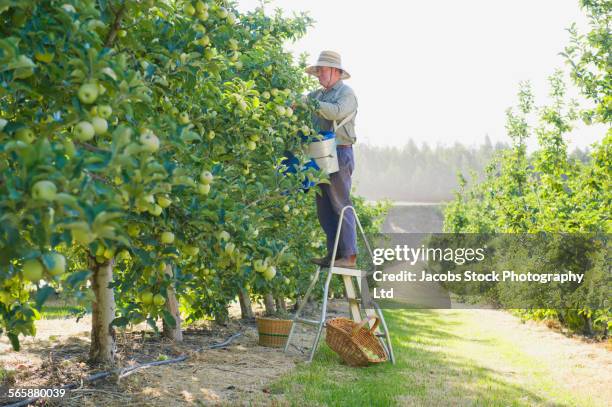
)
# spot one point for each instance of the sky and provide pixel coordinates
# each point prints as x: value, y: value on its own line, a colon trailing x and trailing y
x: 440, y: 72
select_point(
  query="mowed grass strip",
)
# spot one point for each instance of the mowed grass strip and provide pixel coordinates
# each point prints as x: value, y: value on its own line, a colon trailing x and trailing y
x: 444, y: 357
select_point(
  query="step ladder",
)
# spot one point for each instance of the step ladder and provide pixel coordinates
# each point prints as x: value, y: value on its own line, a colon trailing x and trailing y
x: 355, y: 297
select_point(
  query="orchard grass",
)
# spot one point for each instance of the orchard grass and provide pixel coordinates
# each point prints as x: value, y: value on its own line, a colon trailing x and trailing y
x: 60, y: 311
x: 444, y: 357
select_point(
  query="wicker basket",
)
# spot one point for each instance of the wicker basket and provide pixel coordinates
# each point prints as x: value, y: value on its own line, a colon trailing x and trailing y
x: 356, y: 345
x: 273, y: 332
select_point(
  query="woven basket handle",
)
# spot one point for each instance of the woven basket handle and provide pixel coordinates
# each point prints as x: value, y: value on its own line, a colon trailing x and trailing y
x: 365, y: 321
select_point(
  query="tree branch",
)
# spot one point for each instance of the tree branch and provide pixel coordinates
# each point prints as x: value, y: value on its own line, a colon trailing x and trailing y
x: 112, y: 34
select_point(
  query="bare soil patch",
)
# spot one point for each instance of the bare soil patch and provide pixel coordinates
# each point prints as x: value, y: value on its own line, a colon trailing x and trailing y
x: 238, y: 374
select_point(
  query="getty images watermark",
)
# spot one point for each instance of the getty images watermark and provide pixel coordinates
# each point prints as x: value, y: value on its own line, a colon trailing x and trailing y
x: 489, y: 270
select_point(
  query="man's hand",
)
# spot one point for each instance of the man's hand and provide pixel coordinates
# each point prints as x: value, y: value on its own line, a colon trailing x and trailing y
x: 303, y: 101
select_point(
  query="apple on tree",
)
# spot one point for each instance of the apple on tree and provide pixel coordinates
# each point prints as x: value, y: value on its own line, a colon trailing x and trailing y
x: 105, y: 111
x: 146, y: 297
x: 184, y: 118
x: 203, y: 189
x: 32, y: 270
x: 100, y: 125
x: 88, y: 93
x: 167, y: 237
x: 269, y: 273
x: 159, y: 300
x: 206, y: 177
x: 59, y: 265
x: 149, y: 141
x: 84, y: 131
x: 26, y: 135
x: 44, y: 190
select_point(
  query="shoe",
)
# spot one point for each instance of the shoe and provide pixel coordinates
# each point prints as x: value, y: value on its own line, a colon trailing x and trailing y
x: 349, y: 262
x: 323, y: 261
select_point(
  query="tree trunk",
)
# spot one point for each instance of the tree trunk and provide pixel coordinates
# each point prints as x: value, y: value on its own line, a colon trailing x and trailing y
x: 269, y: 304
x: 245, y: 304
x: 281, y: 305
x: 103, y: 348
x: 172, y: 306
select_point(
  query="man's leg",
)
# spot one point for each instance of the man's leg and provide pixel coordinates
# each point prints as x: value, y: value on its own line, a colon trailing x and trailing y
x: 328, y: 219
x: 339, y: 192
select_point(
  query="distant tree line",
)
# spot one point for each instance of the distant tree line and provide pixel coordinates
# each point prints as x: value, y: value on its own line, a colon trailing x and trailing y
x: 423, y: 173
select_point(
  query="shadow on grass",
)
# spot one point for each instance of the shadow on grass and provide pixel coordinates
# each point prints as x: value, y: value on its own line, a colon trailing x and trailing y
x: 419, y: 377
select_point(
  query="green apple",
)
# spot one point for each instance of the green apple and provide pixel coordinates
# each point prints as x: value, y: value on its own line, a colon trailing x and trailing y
x: 229, y: 248
x: 204, y: 41
x: 59, y: 265
x: 84, y: 131
x: 206, y: 177
x: 203, y: 189
x: 286, y: 208
x: 201, y: 6
x: 105, y: 111
x: 121, y: 33
x: 32, y: 270
x: 149, y: 141
x: 239, y: 65
x: 26, y: 135
x: 167, y: 238
x: 254, y: 137
x: 258, y: 266
x: 88, y: 93
x: 68, y: 8
x: 222, y: 12
x: 100, y: 125
x: 146, y: 297
x: 251, y: 145
x: 233, y: 44
x: 164, y: 201
x: 265, y: 95
x: 44, y: 190
x: 202, y: 15
x: 210, y: 53
x: 243, y: 105
x: 189, y: 9
x: 156, y: 210
x: 211, y: 134
x: 280, y: 110
x: 159, y: 300
x: 192, y: 250
x: 184, y: 118
x: 224, y: 236
x: 133, y: 229
x: 269, y: 273
x: 288, y: 112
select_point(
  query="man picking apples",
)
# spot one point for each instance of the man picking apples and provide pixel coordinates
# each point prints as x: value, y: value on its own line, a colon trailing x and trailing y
x: 337, y: 102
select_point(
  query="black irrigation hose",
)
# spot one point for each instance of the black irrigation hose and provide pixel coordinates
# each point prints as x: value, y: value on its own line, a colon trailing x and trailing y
x: 123, y: 372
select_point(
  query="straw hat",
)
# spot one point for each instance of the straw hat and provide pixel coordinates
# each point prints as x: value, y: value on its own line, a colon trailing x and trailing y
x: 331, y: 59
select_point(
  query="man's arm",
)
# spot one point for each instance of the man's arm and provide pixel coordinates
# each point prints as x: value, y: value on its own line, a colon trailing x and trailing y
x: 346, y: 105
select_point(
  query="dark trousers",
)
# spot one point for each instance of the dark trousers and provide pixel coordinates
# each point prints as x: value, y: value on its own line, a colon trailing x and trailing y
x: 330, y: 201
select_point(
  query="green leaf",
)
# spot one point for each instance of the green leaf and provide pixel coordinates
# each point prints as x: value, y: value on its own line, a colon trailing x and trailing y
x: 168, y: 318
x: 41, y: 296
x: 78, y: 277
x: 121, y: 322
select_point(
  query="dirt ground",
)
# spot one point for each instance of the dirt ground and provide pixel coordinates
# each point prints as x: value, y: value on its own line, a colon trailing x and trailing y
x: 234, y: 375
